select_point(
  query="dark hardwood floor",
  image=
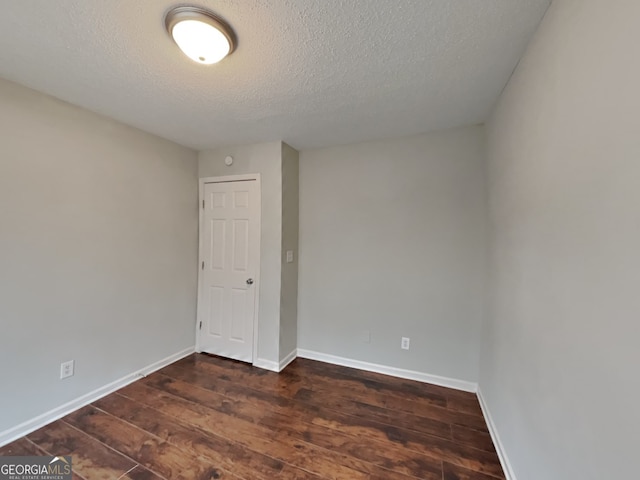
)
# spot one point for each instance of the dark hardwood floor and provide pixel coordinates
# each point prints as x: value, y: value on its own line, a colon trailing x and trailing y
x: 205, y: 417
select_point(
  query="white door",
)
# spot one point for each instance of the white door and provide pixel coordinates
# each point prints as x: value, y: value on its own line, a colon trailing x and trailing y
x: 230, y: 259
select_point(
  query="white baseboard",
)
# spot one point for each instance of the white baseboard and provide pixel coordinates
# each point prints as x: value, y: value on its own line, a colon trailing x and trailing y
x: 393, y: 371
x: 288, y: 359
x: 502, y: 454
x: 266, y: 364
x: 40, y: 421
x: 276, y: 366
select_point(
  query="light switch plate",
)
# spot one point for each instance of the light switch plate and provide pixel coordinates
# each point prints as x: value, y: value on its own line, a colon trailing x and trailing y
x: 289, y: 256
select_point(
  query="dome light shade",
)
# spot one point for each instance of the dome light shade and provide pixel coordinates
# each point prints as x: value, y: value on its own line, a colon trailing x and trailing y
x: 201, y: 35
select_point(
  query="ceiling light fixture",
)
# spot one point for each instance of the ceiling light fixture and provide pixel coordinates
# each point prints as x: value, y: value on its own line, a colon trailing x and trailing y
x: 202, y: 36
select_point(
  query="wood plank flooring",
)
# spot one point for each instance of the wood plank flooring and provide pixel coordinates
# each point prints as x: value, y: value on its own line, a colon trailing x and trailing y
x: 205, y: 417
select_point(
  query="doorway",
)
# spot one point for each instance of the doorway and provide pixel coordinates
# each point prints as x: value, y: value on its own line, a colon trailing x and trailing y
x: 229, y: 277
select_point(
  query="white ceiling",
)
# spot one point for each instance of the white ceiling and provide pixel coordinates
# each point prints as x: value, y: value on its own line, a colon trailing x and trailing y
x: 310, y: 72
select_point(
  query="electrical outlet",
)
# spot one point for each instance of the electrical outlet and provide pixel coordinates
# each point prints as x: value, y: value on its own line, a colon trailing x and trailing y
x: 66, y: 369
x: 404, y: 344
x: 289, y: 256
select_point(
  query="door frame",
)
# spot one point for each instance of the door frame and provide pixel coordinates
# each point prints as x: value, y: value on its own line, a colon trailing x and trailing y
x: 256, y: 285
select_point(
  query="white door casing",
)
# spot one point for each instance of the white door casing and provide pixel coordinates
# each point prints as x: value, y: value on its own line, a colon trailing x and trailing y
x: 229, y: 266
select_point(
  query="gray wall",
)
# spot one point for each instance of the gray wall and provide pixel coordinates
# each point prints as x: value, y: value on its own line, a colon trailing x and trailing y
x: 289, y: 292
x: 393, y: 242
x: 98, y: 251
x: 265, y: 159
x: 561, y: 352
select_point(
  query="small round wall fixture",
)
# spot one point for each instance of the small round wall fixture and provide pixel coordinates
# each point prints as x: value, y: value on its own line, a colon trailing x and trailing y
x: 201, y: 35
x: 228, y: 161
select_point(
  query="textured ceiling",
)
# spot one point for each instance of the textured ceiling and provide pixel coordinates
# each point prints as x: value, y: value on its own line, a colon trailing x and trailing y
x: 310, y: 72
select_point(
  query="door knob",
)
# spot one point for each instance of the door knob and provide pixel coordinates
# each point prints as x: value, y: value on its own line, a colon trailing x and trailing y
x: 249, y: 281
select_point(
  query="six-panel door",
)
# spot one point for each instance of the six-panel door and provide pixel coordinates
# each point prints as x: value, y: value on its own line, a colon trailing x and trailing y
x: 230, y: 251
